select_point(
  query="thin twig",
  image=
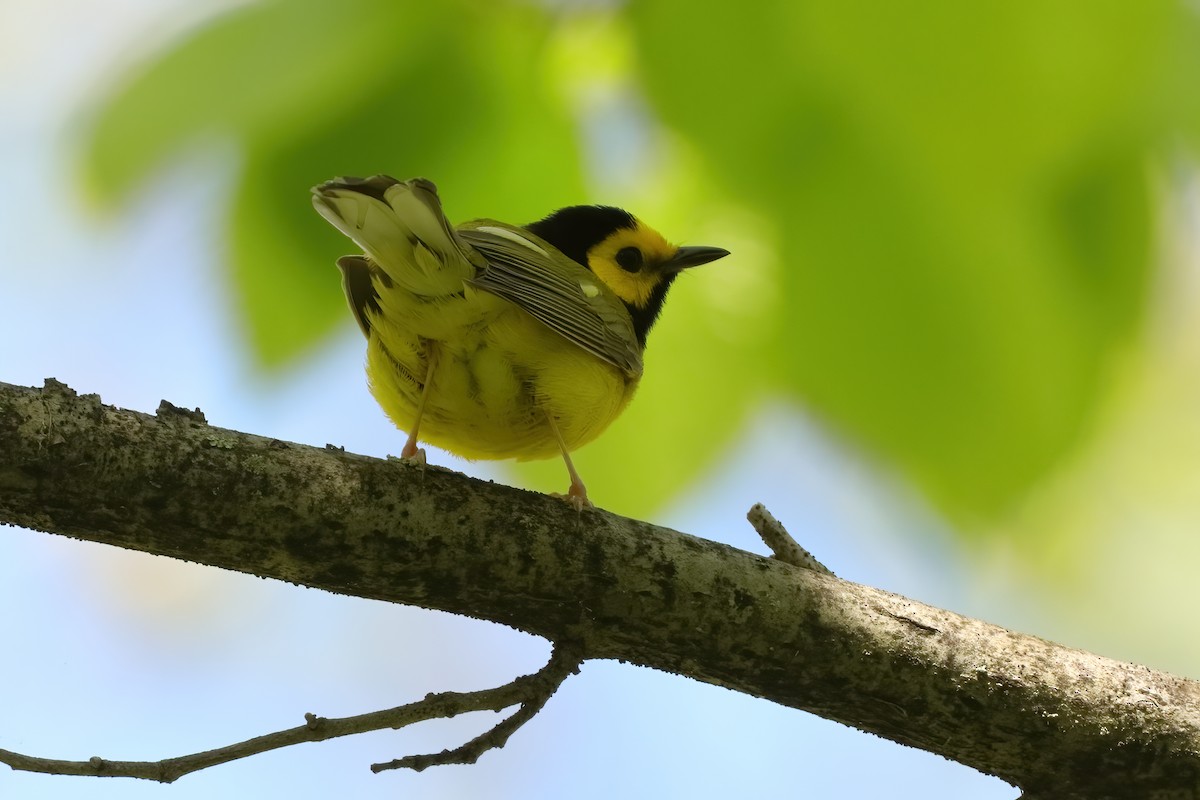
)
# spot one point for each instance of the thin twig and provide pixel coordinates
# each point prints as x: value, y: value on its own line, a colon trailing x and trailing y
x: 540, y: 687
x: 530, y: 692
x: 785, y: 548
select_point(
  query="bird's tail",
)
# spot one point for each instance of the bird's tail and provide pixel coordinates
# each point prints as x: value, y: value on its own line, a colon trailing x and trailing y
x: 401, y: 227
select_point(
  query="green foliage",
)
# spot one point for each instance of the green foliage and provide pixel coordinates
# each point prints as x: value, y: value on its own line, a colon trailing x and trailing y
x: 312, y: 90
x: 965, y: 199
x: 960, y: 192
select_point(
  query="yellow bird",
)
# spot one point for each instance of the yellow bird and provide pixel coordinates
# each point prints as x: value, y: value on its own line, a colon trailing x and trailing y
x: 498, y: 341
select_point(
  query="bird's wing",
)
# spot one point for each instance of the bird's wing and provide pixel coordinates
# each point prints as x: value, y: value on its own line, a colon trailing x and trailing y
x: 563, y: 295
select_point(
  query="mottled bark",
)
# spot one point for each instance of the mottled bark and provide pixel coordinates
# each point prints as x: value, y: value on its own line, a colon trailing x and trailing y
x: 1056, y: 721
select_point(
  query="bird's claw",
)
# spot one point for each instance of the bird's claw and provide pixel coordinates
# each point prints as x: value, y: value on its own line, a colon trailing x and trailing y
x: 575, y: 497
x: 414, y: 454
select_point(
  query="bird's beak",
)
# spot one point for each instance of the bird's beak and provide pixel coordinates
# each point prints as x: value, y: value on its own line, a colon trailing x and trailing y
x: 693, y: 257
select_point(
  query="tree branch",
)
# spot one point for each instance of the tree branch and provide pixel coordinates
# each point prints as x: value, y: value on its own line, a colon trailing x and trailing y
x: 1053, y: 720
x: 533, y: 691
x: 529, y: 692
x: 776, y: 537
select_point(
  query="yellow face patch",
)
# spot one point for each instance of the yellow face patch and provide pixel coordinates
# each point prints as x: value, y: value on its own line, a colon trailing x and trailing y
x: 634, y: 288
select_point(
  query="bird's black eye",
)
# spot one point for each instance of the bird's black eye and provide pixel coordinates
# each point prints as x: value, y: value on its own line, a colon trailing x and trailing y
x: 629, y: 259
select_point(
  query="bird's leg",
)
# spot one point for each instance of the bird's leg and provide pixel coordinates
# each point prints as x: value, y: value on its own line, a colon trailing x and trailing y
x: 411, y: 451
x: 577, y: 494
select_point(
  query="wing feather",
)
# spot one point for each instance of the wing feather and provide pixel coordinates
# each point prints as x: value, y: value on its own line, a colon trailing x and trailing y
x: 555, y: 290
x: 359, y: 289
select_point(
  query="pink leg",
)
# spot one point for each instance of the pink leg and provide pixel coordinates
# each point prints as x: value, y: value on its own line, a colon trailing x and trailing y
x: 577, y: 494
x: 411, y: 451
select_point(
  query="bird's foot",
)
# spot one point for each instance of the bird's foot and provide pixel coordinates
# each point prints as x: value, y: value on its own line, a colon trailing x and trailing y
x: 414, y: 454
x: 576, y: 496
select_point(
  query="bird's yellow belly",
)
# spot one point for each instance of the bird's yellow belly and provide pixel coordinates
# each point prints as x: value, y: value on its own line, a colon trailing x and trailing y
x: 497, y: 374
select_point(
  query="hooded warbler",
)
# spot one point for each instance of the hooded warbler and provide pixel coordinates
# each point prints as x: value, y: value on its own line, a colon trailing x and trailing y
x: 497, y: 341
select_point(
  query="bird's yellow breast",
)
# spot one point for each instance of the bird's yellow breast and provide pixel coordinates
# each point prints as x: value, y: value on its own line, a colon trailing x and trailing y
x: 497, y: 373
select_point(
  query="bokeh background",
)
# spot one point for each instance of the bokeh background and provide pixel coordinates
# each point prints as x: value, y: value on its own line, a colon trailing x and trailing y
x: 956, y: 350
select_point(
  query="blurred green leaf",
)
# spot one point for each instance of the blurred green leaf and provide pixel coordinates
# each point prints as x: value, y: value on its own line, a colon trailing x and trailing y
x: 259, y: 74
x: 964, y: 190
x: 448, y: 90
